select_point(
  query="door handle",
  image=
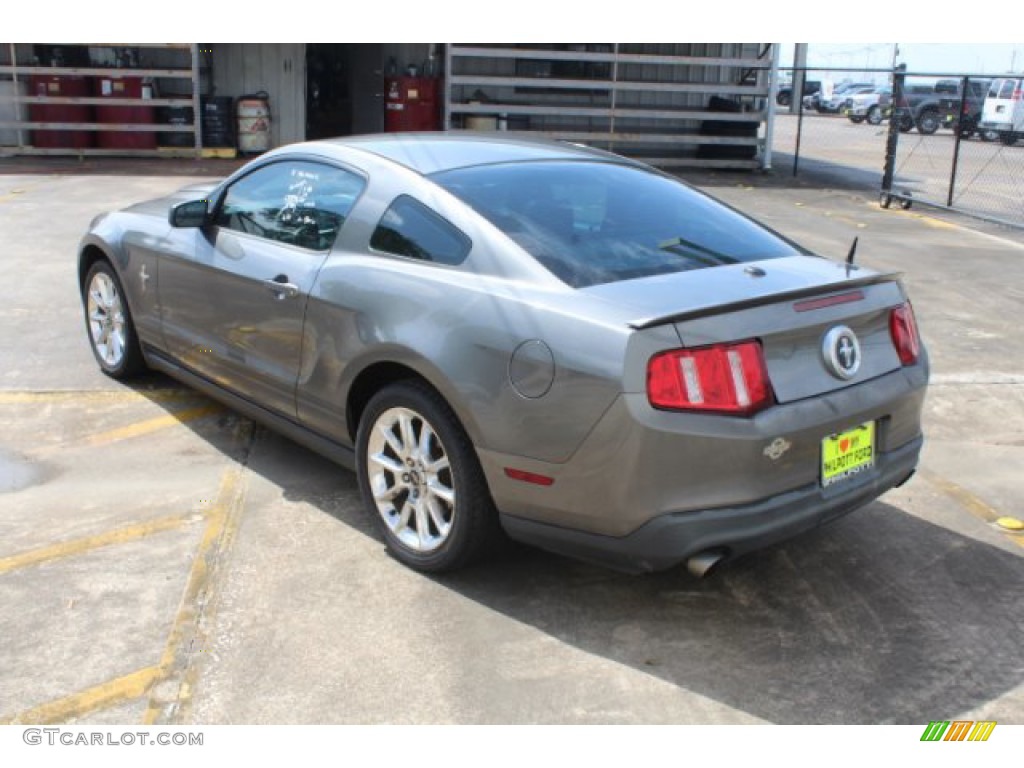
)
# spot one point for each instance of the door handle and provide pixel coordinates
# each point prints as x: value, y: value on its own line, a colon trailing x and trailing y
x: 281, y: 288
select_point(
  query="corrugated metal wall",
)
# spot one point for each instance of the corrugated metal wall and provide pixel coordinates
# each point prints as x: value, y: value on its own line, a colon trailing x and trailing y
x: 23, y: 52
x: 279, y: 69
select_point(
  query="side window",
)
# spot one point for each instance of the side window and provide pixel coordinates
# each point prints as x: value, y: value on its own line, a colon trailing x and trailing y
x: 1006, y: 91
x: 298, y: 202
x: 410, y: 229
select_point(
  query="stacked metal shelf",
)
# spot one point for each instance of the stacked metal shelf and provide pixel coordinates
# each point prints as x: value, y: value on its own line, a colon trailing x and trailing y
x: 677, y: 104
x: 187, y: 79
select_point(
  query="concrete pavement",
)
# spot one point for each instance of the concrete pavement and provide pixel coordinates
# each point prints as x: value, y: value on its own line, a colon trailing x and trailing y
x: 162, y: 560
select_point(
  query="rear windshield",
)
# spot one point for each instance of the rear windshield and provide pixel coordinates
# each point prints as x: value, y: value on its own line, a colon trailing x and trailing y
x: 591, y: 222
x: 1002, y: 89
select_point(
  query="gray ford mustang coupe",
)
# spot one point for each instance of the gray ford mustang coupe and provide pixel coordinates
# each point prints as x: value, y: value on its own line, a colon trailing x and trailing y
x: 505, y: 336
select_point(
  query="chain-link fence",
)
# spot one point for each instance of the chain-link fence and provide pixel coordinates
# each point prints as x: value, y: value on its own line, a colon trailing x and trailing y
x: 952, y: 141
x: 837, y: 122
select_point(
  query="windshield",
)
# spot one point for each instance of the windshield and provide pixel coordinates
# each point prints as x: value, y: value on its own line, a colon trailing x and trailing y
x: 590, y: 222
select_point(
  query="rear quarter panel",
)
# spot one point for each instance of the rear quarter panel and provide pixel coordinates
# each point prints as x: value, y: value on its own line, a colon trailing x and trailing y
x: 459, y: 332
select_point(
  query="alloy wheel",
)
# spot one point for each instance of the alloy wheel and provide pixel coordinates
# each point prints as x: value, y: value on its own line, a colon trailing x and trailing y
x: 106, y: 320
x: 410, y: 479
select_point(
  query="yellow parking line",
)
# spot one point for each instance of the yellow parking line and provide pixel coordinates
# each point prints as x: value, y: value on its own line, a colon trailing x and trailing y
x: 931, y: 221
x: 17, y: 397
x: 969, y: 501
x: 78, y: 546
x: 135, y: 429
x: 152, y: 425
x: 938, y: 223
x: 197, y: 606
x: 199, y: 599
x: 855, y: 223
x: 101, y: 696
x: 12, y: 195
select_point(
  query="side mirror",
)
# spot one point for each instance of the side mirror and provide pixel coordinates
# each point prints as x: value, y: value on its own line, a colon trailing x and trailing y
x: 194, y: 213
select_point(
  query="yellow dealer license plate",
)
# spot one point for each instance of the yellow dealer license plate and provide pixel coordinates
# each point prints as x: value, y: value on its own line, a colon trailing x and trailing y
x: 847, y: 454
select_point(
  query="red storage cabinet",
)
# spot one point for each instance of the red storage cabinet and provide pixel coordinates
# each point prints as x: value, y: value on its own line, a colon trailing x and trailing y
x: 123, y: 88
x: 62, y: 86
x: 412, y: 104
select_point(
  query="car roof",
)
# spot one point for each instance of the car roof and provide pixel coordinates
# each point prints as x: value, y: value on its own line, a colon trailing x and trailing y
x: 428, y: 153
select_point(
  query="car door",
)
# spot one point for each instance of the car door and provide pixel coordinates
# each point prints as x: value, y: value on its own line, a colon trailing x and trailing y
x: 233, y: 308
x: 999, y: 105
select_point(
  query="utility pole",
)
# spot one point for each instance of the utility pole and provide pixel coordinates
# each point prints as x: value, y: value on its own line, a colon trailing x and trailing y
x: 799, y: 76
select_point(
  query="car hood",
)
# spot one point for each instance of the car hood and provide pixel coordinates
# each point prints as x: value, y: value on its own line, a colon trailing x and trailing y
x: 161, y: 205
x: 683, y: 295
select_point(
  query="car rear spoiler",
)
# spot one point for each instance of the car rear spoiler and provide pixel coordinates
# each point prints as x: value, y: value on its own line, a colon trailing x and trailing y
x: 771, y: 298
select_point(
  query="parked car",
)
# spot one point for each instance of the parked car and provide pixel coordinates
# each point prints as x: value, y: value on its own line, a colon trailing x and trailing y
x: 785, y: 95
x: 1003, y: 111
x: 868, y: 105
x: 839, y: 101
x: 832, y: 104
x: 521, y: 336
x: 814, y: 100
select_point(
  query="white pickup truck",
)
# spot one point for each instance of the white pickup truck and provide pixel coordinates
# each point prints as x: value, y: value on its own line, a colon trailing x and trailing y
x: 870, y: 106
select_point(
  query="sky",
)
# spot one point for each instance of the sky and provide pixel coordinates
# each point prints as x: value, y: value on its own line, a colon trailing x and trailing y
x: 938, y: 58
x: 545, y: 21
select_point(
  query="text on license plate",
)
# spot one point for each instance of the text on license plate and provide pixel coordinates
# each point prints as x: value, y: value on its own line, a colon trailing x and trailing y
x: 848, y: 453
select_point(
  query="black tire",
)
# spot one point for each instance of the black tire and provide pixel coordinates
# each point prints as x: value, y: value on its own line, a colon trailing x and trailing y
x: 1009, y: 138
x: 928, y: 122
x: 874, y: 116
x: 110, y: 322
x: 783, y: 98
x: 906, y: 124
x: 988, y: 135
x: 472, y: 520
x: 966, y: 127
x: 856, y: 119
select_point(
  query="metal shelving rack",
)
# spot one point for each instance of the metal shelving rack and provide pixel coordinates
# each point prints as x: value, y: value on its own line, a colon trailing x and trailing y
x: 654, y: 106
x: 192, y: 74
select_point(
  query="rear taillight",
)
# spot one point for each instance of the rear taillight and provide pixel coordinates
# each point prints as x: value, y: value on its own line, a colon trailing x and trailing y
x: 724, y: 378
x: 903, y: 329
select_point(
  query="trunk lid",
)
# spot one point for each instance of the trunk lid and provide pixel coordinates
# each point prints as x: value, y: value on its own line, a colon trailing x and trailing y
x: 790, y: 309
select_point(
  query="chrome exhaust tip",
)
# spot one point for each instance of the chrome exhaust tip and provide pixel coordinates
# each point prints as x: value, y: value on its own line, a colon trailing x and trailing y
x: 703, y: 563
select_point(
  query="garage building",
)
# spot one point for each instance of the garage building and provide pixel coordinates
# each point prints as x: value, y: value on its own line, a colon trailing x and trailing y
x: 671, y: 104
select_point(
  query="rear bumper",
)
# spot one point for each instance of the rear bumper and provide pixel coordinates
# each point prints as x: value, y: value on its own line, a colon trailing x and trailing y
x: 647, y: 489
x: 992, y: 125
x: 670, y: 539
